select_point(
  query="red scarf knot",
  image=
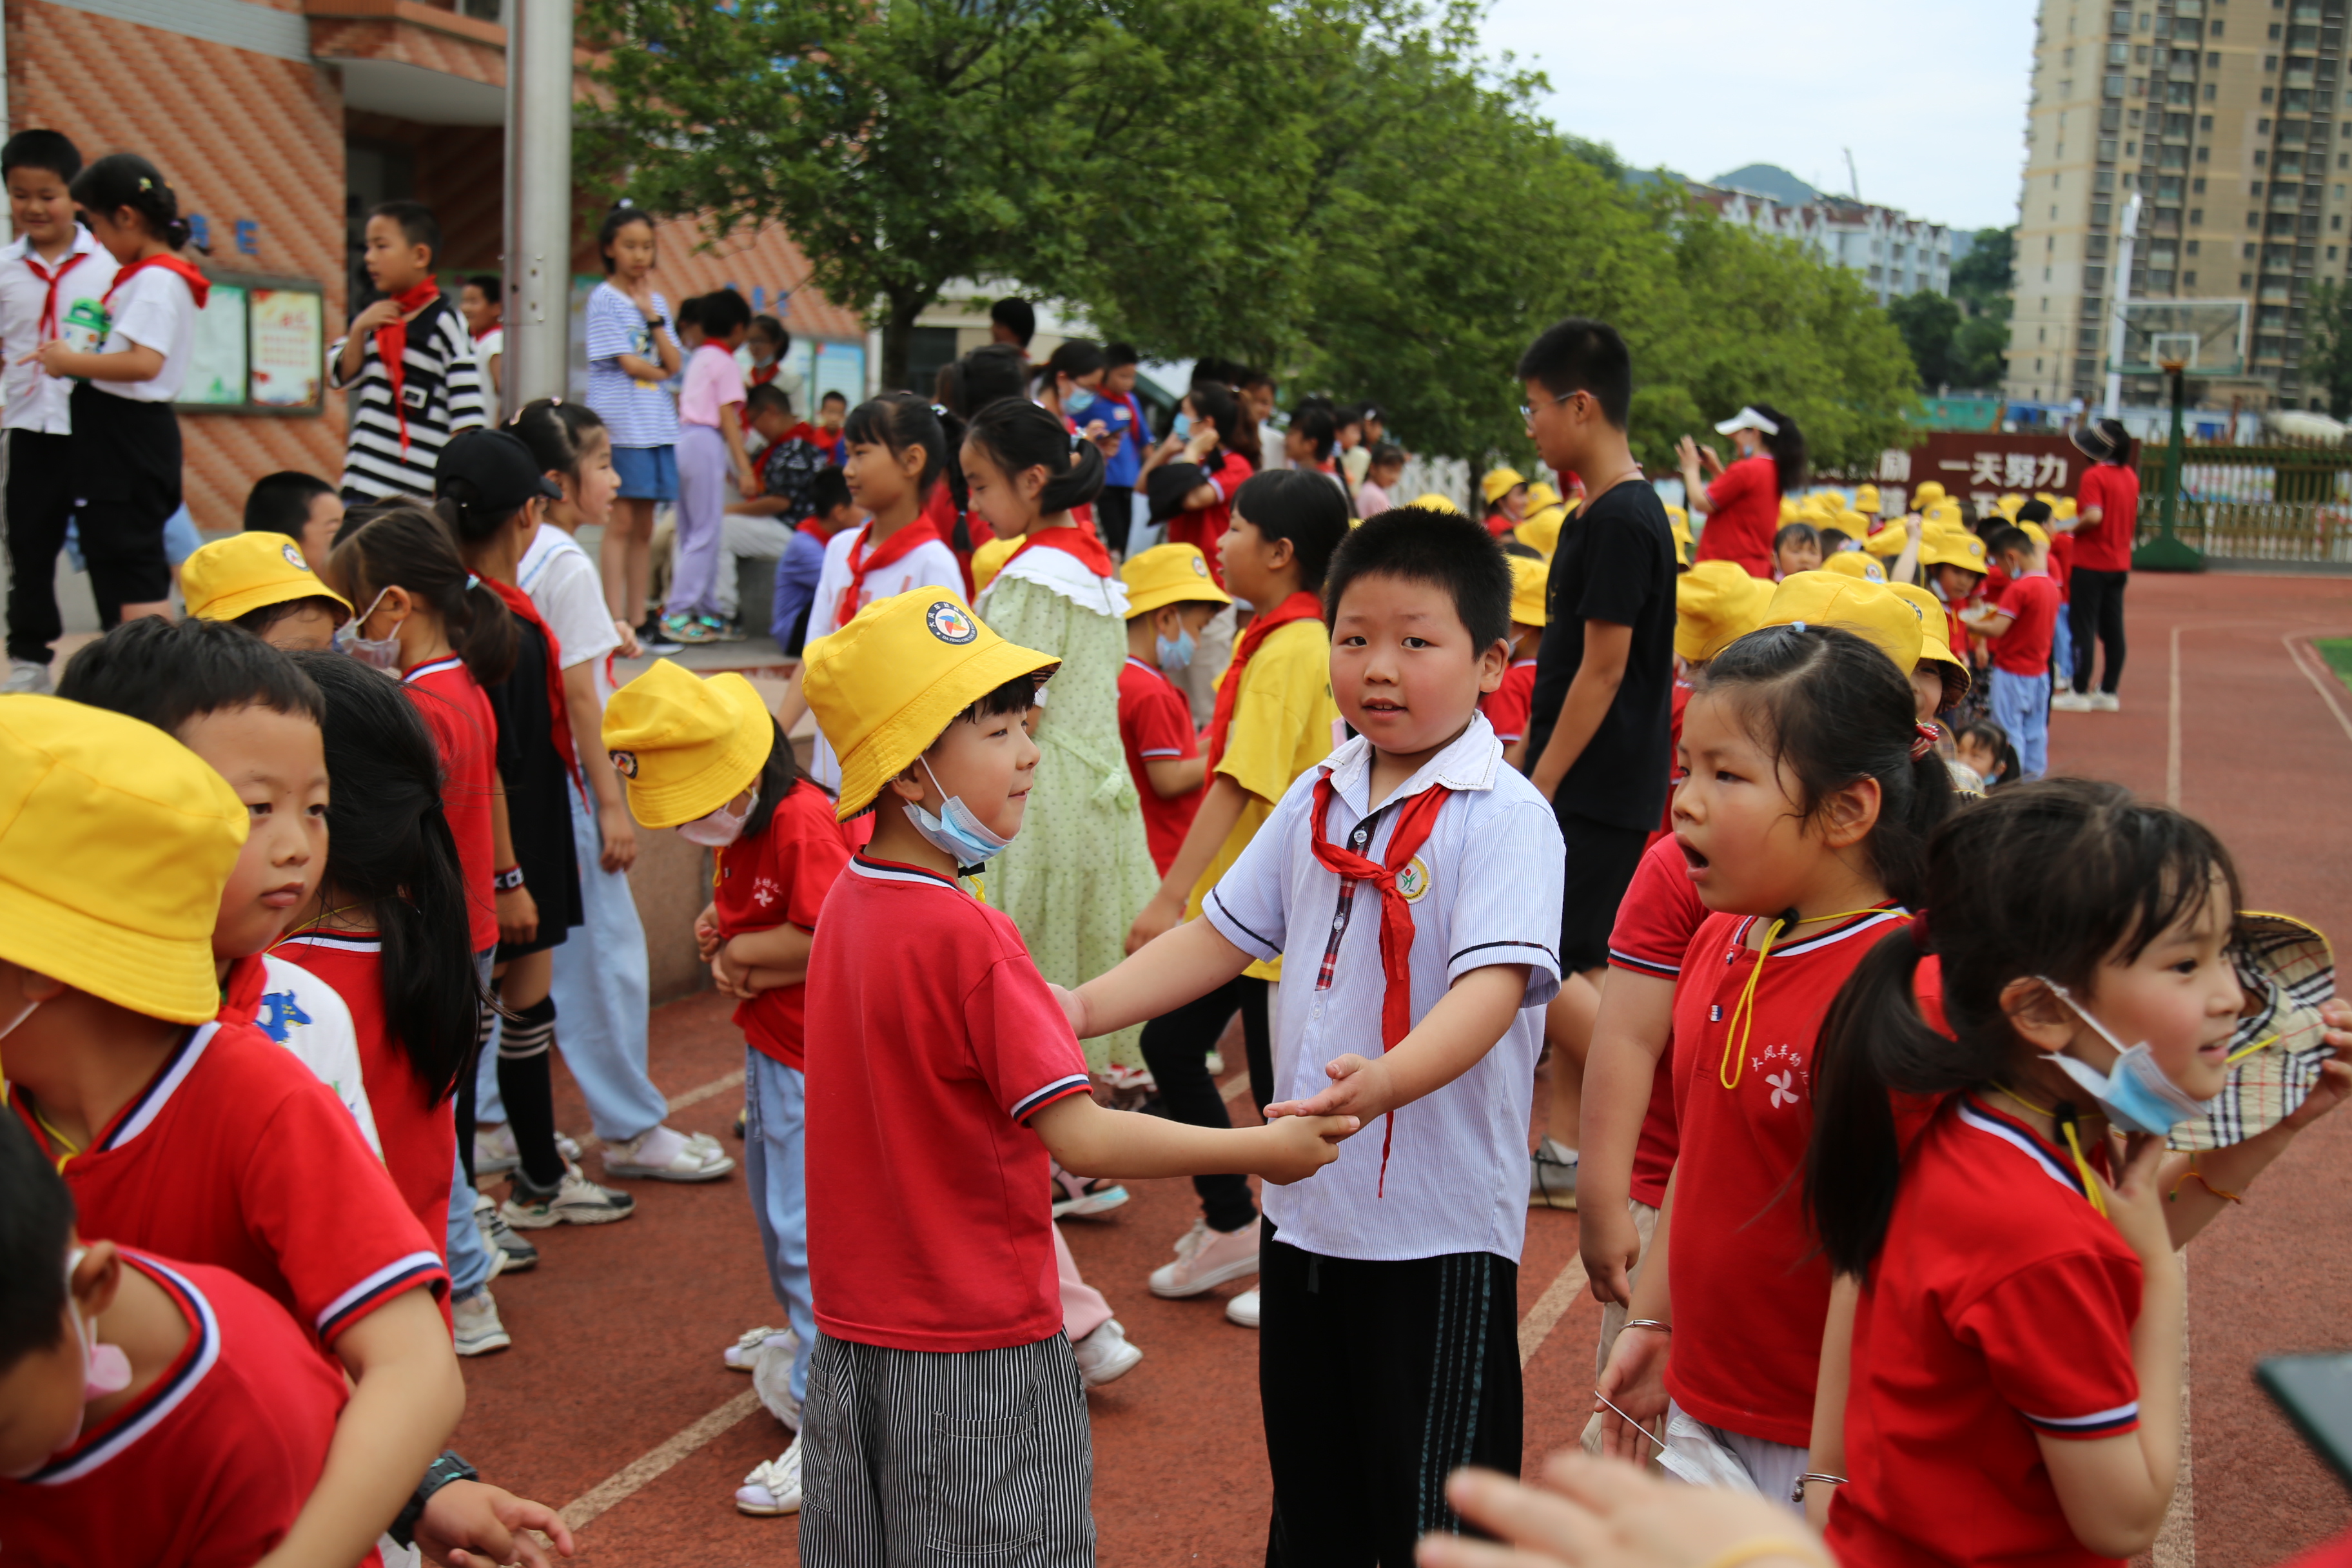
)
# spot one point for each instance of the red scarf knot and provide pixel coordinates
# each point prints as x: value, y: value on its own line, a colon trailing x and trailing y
x: 48, y: 327
x: 1300, y: 606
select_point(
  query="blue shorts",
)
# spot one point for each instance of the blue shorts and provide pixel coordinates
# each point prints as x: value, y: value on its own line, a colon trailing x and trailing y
x: 647, y: 473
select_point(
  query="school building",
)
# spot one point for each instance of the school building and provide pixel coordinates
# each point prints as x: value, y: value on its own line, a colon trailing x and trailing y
x: 280, y: 123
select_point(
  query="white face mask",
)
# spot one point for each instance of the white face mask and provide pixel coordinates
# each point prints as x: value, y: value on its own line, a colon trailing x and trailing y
x: 378, y: 653
x: 721, y: 827
x: 104, y: 1368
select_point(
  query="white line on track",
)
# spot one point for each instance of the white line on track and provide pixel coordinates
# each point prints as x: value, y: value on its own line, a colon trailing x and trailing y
x: 679, y: 1102
x: 1234, y: 1088
x: 1550, y: 1308
x: 2315, y: 669
x: 649, y: 1467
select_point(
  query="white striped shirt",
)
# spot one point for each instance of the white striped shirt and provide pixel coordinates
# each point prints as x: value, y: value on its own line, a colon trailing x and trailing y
x: 443, y: 391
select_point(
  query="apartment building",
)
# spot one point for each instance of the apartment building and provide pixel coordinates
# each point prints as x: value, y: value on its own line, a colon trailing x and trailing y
x: 1895, y: 254
x: 2228, y: 117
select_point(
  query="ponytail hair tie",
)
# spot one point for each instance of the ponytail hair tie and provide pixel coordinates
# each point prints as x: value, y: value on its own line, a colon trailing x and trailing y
x: 473, y: 583
x: 1076, y: 440
x: 1919, y: 937
x: 1924, y: 737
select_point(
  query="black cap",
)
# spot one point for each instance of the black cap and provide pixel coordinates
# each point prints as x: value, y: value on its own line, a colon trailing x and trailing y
x: 490, y: 471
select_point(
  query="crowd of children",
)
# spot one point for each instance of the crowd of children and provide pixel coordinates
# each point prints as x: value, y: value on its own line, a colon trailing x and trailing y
x: 1669, y: 847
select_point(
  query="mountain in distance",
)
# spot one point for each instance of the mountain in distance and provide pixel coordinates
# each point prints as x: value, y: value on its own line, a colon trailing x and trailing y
x: 1768, y: 180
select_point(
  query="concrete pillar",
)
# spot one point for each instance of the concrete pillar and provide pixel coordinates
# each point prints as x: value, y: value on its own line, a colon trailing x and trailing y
x: 538, y: 200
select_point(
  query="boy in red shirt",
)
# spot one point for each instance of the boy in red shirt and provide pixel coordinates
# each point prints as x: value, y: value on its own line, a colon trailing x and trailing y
x: 192, y: 1134
x: 2019, y: 628
x: 1507, y: 706
x: 930, y: 1240
x: 1170, y: 598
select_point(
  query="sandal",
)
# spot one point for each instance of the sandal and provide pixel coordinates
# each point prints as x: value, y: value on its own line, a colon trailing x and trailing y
x: 1075, y: 1197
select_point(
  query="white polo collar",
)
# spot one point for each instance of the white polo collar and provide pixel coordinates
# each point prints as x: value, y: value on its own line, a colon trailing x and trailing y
x: 1470, y: 762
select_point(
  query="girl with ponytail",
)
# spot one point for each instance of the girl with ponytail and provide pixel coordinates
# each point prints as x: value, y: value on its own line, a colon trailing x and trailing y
x: 2002, y: 1376
x: 1081, y: 867
x: 1810, y: 789
x: 129, y: 363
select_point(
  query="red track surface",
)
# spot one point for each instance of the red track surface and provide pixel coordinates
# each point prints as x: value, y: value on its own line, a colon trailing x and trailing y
x: 618, y: 1333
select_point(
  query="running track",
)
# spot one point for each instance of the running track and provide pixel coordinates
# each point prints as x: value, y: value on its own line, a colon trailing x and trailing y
x: 614, y: 1405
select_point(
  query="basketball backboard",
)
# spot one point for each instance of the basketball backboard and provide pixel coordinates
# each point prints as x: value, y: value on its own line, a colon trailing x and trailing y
x: 2203, y: 337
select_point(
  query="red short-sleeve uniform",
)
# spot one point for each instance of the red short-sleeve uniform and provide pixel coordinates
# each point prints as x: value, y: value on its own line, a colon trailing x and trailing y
x: 235, y: 1155
x: 2060, y: 559
x: 1743, y: 513
x: 1656, y: 921
x: 2030, y: 604
x: 931, y: 1042
x: 780, y: 876
x: 1682, y: 696
x: 467, y: 733
x: 419, y: 1138
x: 209, y: 1465
x: 1203, y: 528
x: 1155, y: 725
x: 1999, y: 1312
x: 1752, y: 1287
x: 2106, y: 545
x: 1507, y: 706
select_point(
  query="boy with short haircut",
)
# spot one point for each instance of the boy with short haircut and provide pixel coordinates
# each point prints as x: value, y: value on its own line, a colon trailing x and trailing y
x: 710, y: 447
x: 1274, y: 720
x: 52, y: 280
x: 262, y: 582
x: 410, y: 357
x: 304, y: 507
x: 832, y: 413
x: 1506, y: 706
x: 1170, y: 598
x: 830, y: 511
x: 187, y: 1132
x: 930, y: 1252
x: 482, y: 302
x: 2021, y: 629
x: 1423, y: 874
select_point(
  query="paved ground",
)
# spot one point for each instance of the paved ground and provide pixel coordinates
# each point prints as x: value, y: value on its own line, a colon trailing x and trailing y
x: 614, y: 1404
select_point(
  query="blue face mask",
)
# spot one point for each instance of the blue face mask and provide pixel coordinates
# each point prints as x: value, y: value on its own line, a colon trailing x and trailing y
x: 1182, y: 428
x: 2135, y: 1093
x: 955, y: 832
x: 1176, y: 655
x: 1078, y: 401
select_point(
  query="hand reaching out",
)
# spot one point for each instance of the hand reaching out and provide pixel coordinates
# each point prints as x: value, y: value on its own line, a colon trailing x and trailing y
x: 1598, y: 1513
x: 472, y: 1524
x: 1303, y: 1145
x: 1634, y: 1381
x: 1360, y: 1087
x: 2335, y: 1083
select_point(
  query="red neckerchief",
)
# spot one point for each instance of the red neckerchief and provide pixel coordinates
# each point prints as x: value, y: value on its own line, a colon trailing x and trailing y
x: 1300, y: 606
x: 198, y: 284
x: 1079, y: 544
x: 241, y: 989
x: 519, y: 603
x: 392, y: 347
x: 810, y: 525
x: 48, y: 326
x: 763, y: 373
x: 922, y: 531
x: 1414, y: 820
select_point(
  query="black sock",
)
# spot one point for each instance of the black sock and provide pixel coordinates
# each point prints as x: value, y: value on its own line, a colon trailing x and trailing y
x: 528, y: 1089
x: 467, y: 1091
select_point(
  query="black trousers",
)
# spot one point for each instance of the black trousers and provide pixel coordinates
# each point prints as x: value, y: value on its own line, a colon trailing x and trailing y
x: 1176, y: 1046
x: 2097, y: 606
x: 39, y: 501
x: 1378, y: 1380
x: 1114, y: 510
x: 126, y: 485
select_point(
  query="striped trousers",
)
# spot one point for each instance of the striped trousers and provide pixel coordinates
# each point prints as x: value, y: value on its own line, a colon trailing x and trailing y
x: 1378, y: 1380
x: 912, y: 1457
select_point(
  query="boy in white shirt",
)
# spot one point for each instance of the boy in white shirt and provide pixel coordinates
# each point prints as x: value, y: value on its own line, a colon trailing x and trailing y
x: 1412, y: 880
x: 54, y: 270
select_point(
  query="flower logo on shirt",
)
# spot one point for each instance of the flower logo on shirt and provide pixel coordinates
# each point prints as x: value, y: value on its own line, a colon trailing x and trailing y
x: 278, y: 1014
x: 1413, y: 880
x: 293, y: 556
x: 1783, y: 1084
x: 766, y: 890
x: 950, y: 623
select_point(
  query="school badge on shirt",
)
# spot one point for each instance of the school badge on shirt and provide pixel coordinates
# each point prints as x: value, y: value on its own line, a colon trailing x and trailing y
x: 1413, y: 880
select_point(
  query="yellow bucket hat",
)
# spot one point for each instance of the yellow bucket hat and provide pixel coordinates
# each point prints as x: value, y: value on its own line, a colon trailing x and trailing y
x: 686, y: 746
x: 1716, y: 602
x: 1540, y: 495
x: 1436, y: 502
x: 2036, y: 532
x: 1499, y: 483
x: 1169, y: 575
x: 1927, y: 495
x: 1952, y: 547
x: 2063, y: 511
x: 115, y: 843
x: 1857, y: 564
x: 1866, y: 499
x: 1788, y: 511
x: 1528, y: 579
x: 247, y: 572
x: 1935, y: 643
x: 887, y: 685
x: 1541, y: 531
x: 2007, y: 505
x: 1866, y: 609
x: 1853, y: 524
x: 1888, y: 542
x: 1678, y: 523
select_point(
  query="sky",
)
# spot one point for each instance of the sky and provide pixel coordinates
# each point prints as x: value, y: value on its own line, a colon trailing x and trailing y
x: 1930, y: 94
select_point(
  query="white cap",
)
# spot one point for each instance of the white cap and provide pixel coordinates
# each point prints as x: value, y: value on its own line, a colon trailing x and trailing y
x: 1748, y: 419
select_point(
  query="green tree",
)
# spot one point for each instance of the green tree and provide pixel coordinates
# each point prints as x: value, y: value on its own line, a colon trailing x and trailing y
x: 1984, y: 281
x: 1928, y: 322
x: 2327, y: 345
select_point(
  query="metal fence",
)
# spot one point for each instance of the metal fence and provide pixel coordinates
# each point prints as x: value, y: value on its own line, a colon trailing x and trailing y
x: 2255, y: 503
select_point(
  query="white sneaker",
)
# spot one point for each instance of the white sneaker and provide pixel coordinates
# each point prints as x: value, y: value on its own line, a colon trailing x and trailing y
x: 739, y: 1356
x: 1215, y: 1258
x: 1105, y: 1356
x: 1242, y: 1309
x: 576, y: 1200
x: 649, y: 1155
x: 2106, y: 702
x: 25, y: 676
x: 474, y: 1325
x: 773, y: 1488
x: 494, y: 1151
x: 510, y: 1254
x: 1551, y: 1177
x: 2069, y: 702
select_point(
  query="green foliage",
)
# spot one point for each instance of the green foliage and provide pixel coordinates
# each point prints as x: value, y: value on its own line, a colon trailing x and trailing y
x: 1928, y: 322
x: 2327, y: 345
x: 1982, y: 281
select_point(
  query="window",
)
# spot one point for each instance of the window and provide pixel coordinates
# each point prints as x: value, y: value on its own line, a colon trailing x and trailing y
x: 2217, y: 27
x: 2204, y: 154
x: 2337, y: 222
x: 2331, y: 253
x: 2268, y: 96
x: 2213, y: 59
x: 2255, y: 189
x: 2212, y: 91
x: 2106, y: 149
x: 2188, y: 279
x: 2204, y: 122
x: 2197, y: 187
x: 2261, y: 127
x: 2275, y: 30
x: 2192, y: 247
x: 2245, y: 279
x: 2262, y: 156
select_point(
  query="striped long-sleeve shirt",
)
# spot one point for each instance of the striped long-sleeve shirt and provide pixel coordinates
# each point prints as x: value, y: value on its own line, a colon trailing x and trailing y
x: 442, y: 390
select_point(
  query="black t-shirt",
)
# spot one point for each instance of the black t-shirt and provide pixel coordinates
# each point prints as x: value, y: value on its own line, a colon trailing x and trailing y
x: 1615, y: 563
x: 539, y: 807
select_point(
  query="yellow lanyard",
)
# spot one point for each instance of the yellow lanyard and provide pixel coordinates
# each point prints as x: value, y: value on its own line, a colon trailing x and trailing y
x: 56, y: 1137
x: 2073, y: 1143
x: 1743, y: 1012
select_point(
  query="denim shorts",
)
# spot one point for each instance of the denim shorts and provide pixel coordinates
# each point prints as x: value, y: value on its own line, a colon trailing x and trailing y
x: 647, y: 473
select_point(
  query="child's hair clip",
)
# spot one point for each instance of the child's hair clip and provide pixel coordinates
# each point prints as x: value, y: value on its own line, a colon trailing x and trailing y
x: 145, y: 184
x: 1924, y: 739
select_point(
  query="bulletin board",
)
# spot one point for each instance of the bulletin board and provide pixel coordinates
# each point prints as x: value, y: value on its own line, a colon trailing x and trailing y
x: 260, y: 347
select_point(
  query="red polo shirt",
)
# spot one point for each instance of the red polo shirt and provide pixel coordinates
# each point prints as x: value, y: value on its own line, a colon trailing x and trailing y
x: 467, y: 733
x: 780, y: 876
x: 1656, y: 921
x: 1155, y: 724
x: 2106, y: 545
x: 1507, y: 706
x: 2031, y: 603
x: 1743, y: 513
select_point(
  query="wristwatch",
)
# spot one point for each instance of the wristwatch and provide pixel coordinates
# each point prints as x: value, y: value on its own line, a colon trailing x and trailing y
x: 438, y: 1474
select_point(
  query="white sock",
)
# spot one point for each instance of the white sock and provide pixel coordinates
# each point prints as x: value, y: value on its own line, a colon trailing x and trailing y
x: 659, y: 1147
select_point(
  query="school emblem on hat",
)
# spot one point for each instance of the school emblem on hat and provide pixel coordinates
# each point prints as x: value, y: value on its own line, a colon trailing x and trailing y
x: 1413, y: 880
x: 624, y: 763
x: 293, y: 556
x: 1199, y: 566
x: 951, y: 623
